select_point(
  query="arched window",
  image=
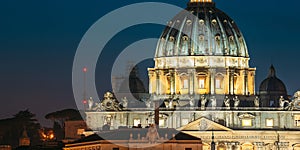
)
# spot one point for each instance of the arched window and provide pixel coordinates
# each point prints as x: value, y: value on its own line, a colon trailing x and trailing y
x: 201, y: 81
x: 219, y: 81
x: 184, y: 82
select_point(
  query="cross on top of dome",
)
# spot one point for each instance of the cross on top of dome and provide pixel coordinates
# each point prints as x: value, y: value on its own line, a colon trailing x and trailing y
x: 272, y: 72
x: 201, y: 1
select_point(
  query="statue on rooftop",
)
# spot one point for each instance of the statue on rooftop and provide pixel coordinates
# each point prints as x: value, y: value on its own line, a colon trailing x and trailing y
x: 213, y: 102
x: 227, y: 102
x: 236, y: 101
x: 125, y: 102
x: 256, y: 101
x: 152, y: 135
x: 90, y: 103
x: 282, y: 101
x: 203, y: 102
x: 192, y: 102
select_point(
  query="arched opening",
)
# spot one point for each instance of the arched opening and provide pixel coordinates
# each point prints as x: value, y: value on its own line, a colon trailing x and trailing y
x: 205, y: 146
x: 219, y: 83
x: 247, y: 146
x: 202, y: 83
x: 184, y: 84
x: 221, y: 146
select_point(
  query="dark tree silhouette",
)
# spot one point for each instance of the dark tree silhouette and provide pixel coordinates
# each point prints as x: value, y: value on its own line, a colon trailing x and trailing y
x: 13, y: 128
x: 59, y: 118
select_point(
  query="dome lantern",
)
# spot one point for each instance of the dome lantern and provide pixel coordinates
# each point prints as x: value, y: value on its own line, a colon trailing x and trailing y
x: 272, y: 72
x: 201, y: 1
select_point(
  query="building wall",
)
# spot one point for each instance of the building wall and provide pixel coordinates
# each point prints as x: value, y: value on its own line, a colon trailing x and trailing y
x: 252, y: 140
x: 275, y: 120
x: 137, y: 145
x: 74, y: 129
x: 219, y: 75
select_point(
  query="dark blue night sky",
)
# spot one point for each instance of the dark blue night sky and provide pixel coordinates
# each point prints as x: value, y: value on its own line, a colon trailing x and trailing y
x: 38, y: 41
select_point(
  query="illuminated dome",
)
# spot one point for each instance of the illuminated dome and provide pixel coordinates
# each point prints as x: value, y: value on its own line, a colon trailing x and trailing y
x: 201, y: 30
x: 201, y: 52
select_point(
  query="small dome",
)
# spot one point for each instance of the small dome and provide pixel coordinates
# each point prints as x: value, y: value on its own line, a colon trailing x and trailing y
x: 272, y: 84
x: 134, y: 84
x: 201, y: 30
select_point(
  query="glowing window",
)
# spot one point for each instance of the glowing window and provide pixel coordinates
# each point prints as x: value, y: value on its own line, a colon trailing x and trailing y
x: 185, y: 84
x: 269, y: 122
x: 201, y: 83
x: 162, y: 122
x: 80, y: 131
x: 218, y: 84
x: 136, y: 122
x: 297, y: 120
x: 246, y: 122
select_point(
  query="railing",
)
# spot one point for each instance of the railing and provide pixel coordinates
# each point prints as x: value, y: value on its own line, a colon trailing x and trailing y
x: 200, y: 109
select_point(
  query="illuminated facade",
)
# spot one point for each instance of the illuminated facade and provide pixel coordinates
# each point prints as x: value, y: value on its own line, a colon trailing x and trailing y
x: 202, y: 83
x: 202, y: 53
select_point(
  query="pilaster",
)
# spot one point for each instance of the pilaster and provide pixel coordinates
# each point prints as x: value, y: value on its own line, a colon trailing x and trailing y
x: 212, y: 81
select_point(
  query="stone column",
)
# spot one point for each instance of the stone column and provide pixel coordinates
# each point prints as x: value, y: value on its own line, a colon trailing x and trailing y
x: 228, y: 120
x: 212, y: 80
x: 156, y: 113
x: 158, y: 82
x: 231, y: 119
x: 191, y: 73
x: 172, y: 78
x: 174, y: 120
x: 150, y: 75
x: 246, y: 82
x: 231, y: 81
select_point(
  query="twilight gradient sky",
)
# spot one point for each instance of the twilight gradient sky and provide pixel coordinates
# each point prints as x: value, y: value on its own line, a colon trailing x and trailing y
x: 39, y: 38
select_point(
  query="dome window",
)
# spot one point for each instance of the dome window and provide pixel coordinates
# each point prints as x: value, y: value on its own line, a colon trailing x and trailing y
x: 225, y: 21
x: 189, y: 22
x: 201, y: 22
x: 178, y: 21
x: 171, y: 39
x: 185, y: 38
x: 217, y: 37
x: 231, y: 39
x: 201, y: 37
x: 214, y: 21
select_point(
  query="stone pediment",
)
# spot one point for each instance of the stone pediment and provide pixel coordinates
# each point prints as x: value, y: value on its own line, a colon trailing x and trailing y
x: 203, y: 124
